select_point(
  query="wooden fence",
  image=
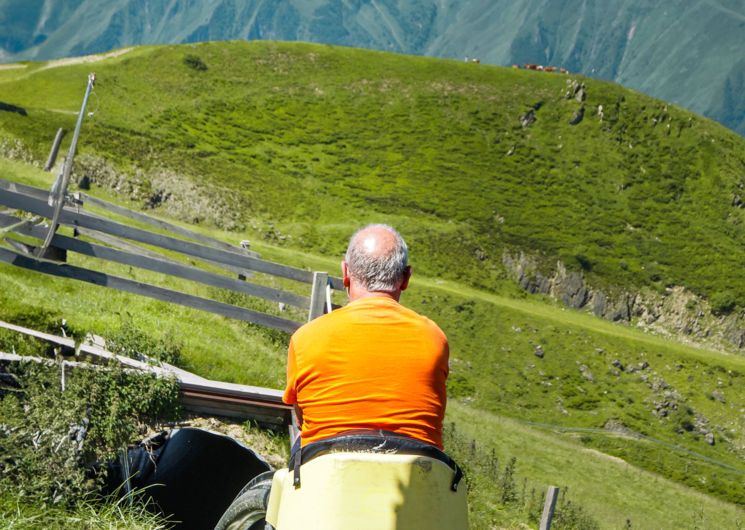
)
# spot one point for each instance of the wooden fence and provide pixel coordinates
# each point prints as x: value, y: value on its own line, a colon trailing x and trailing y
x: 196, y: 394
x: 121, y: 243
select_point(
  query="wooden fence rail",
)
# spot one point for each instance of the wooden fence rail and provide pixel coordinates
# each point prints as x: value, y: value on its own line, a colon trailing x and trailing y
x: 159, y: 265
x: 196, y: 393
x: 203, y: 248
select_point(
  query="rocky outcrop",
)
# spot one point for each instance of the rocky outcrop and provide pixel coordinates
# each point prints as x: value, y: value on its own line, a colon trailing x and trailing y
x: 164, y: 190
x: 578, y: 115
x: 576, y: 90
x: 677, y: 311
x: 528, y: 118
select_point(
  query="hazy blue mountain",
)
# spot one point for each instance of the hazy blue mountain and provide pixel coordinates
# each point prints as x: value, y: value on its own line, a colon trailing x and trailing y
x: 689, y: 52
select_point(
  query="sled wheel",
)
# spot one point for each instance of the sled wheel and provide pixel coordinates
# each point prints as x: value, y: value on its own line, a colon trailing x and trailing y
x: 248, y: 511
x: 262, y: 480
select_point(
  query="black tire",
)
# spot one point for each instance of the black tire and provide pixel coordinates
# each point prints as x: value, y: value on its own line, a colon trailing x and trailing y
x: 260, y: 480
x: 248, y: 511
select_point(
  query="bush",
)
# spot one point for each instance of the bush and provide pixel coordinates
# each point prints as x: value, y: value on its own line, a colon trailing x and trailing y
x: 195, y: 62
x: 723, y: 303
x: 132, y: 342
x: 59, y: 422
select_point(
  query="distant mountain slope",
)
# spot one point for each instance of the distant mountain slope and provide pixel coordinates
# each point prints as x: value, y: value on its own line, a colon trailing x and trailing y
x: 688, y: 52
x: 498, y: 174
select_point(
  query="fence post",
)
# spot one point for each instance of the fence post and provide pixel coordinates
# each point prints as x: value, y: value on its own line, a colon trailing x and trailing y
x: 318, y: 295
x: 57, y: 193
x: 548, y: 508
x: 55, y: 149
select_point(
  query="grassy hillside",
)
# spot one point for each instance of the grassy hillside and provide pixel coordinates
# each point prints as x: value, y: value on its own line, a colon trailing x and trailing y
x: 308, y: 141
x: 295, y: 146
x: 497, y: 384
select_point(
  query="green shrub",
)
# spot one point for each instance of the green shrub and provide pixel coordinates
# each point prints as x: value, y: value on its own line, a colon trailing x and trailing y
x: 131, y: 341
x: 61, y: 421
x: 195, y: 62
x: 723, y: 303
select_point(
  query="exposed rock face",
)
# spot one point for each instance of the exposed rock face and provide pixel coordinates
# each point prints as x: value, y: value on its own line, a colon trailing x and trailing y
x: 164, y: 189
x: 734, y: 332
x: 528, y: 118
x: 612, y: 310
x: 571, y: 289
x: 578, y: 115
x: 677, y: 311
x: 576, y: 90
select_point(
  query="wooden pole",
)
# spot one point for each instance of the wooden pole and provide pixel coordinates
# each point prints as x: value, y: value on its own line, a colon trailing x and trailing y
x: 318, y: 295
x: 548, y: 508
x: 55, y: 149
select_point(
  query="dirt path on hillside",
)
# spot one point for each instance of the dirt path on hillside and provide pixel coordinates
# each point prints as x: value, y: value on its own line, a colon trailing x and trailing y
x: 85, y: 58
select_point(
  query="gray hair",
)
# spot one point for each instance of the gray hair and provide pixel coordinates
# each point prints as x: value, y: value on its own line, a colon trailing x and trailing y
x: 377, y: 273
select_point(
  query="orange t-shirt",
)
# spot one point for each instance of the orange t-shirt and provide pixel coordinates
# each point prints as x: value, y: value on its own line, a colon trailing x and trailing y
x: 372, y: 364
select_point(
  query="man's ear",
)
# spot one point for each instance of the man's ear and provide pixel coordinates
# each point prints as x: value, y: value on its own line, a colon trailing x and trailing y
x: 407, y: 276
x: 345, y: 273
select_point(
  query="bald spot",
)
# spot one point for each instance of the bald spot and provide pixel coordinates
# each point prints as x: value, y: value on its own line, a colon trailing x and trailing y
x: 376, y: 241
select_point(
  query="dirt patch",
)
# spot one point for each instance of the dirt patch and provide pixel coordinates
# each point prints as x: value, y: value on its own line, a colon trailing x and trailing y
x: 604, y: 455
x: 271, y: 446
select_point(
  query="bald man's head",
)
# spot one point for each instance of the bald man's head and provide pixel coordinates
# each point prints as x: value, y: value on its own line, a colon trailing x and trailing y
x: 377, y: 258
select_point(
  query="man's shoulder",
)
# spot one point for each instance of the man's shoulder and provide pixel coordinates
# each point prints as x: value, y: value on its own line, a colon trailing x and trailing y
x: 352, y: 312
x: 323, y: 322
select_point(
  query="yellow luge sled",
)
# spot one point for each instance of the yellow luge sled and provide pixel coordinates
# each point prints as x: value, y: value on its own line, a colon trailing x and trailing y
x: 356, y: 482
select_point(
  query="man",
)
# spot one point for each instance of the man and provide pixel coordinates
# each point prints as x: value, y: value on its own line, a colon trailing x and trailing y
x: 372, y: 364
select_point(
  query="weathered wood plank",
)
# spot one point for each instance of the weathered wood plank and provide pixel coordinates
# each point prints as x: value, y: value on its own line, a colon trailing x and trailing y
x: 131, y: 247
x: 151, y: 291
x: 55, y: 149
x: 72, y: 218
x: 335, y: 282
x: 318, y: 295
x: 65, y: 342
x: 90, y: 352
x: 15, y: 187
x: 165, y: 225
x: 43, y: 195
x: 124, y: 245
x: 241, y: 401
x: 15, y: 358
x: 165, y: 266
x: 548, y: 508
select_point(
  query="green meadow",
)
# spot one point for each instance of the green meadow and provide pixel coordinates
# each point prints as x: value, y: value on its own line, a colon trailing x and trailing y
x: 294, y: 146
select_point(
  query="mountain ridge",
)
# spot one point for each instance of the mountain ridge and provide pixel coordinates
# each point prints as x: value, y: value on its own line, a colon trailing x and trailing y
x: 656, y: 49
